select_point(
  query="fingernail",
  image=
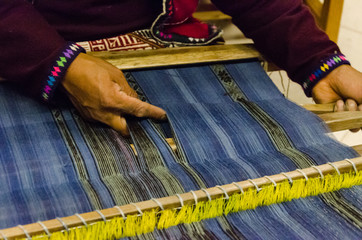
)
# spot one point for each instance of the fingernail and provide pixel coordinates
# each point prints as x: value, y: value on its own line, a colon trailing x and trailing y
x: 164, y: 117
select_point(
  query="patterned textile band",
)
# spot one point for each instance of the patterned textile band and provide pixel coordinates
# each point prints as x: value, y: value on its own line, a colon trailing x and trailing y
x: 137, y: 40
x: 326, y: 66
x: 59, y: 68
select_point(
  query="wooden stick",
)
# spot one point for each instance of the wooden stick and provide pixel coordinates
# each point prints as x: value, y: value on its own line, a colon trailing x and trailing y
x: 172, y: 202
x: 328, y: 15
x: 333, y: 17
x: 338, y: 121
x: 215, y: 15
x: 167, y: 57
x: 358, y: 149
x: 319, y: 108
x: 316, y: 7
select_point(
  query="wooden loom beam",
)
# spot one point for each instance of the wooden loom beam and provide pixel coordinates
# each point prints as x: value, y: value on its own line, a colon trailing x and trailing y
x: 166, y: 57
x: 328, y: 15
x: 173, y: 202
x: 336, y: 121
x: 214, y: 15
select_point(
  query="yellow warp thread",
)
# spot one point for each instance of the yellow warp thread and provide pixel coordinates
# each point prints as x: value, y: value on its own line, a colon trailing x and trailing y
x: 134, y: 225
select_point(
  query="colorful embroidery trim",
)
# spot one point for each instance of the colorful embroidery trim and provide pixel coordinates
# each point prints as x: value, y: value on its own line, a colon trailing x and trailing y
x: 326, y: 66
x: 59, y: 68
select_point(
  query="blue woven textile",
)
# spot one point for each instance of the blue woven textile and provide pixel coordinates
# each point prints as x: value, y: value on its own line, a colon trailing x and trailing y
x: 233, y: 124
x: 230, y: 123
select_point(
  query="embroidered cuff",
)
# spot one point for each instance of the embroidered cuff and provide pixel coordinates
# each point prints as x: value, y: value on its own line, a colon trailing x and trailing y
x: 326, y: 66
x: 58, y: 69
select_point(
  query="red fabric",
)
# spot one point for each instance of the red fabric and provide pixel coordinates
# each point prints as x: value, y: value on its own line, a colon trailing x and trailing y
x: 182, y: 10
x: 180, y: 20
x: 191, y: 28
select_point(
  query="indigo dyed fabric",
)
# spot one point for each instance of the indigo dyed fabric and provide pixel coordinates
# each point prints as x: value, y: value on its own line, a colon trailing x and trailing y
x: 229, y: 122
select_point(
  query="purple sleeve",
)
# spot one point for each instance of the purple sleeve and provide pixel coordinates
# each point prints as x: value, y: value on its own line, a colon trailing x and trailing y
x: 285, y: 32
x: 29, y: 47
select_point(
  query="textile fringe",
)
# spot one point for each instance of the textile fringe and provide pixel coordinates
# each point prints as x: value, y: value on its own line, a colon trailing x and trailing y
x: 138, y: 224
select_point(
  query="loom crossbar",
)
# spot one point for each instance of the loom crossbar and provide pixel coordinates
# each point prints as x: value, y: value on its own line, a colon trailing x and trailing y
x: 166, y: 57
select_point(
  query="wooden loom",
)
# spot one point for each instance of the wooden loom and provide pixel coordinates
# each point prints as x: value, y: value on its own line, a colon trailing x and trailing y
x: 336, y: 121
x: 191, y: 55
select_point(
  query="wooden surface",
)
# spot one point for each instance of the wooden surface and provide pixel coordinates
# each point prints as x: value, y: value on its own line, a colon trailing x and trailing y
x: 333, y: 19
x: 209, y: 16
x: 327, y: 15
x: 338, y: 121
x: 316, y: 8
x: 358, y: 149
x: 319, y: 108
x: 168, y: 57
x: 172, y: 202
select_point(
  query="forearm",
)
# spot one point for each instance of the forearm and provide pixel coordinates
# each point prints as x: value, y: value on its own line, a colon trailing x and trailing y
x: 284, y: 31
x: 29, y: 46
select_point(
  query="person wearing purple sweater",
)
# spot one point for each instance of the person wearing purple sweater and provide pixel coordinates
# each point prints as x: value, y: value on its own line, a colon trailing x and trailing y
x: 35, y: 34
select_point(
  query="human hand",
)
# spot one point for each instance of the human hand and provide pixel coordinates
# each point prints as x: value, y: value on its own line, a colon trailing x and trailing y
x: 100, y: 92
x: 343, y: 83
x: 343, y: 86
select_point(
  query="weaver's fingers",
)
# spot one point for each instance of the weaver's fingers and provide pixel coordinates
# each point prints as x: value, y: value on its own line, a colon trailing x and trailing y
x: 348, y: 105
x: 351, y: 105
x: 118, y: 123
x: 339, y: 107
x: 134, y: 106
